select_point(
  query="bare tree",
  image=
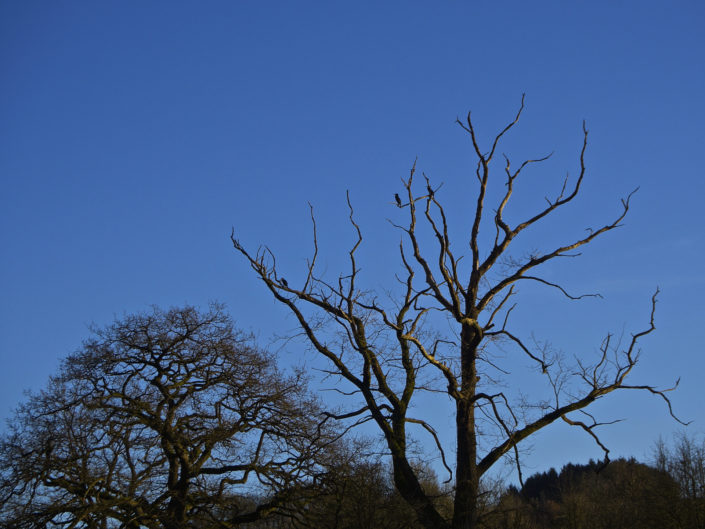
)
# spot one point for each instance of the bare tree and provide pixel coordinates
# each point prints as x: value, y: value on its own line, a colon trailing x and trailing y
x: 387, y: 349
x: 169, y: 419
x: 685, y: 463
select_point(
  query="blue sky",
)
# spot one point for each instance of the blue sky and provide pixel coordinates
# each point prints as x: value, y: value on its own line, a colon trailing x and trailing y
x: 134, y: 135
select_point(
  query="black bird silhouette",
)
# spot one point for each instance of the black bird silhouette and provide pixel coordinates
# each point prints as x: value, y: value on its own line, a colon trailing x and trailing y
x: 430, y: 190
x: 284, y: 282
x: 396, y: 197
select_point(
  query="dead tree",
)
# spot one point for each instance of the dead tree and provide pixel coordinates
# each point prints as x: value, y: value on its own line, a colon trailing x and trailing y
x: 386, y: 352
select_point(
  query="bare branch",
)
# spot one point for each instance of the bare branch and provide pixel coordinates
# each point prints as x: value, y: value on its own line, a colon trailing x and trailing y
x: 558, y: 252
x: 430, y: 430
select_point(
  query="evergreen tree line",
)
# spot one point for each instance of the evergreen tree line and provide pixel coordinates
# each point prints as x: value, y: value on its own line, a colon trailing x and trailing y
x: 668, y: 492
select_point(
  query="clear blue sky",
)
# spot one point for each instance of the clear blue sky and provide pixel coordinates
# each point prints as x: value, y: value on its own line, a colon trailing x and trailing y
x: 133, y: 135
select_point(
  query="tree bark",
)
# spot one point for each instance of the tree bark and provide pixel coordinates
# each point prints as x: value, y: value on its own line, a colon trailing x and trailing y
x: 407, y: 484
x: 467, y: 477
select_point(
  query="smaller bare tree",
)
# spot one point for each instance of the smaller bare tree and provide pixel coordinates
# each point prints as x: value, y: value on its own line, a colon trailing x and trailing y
x: 162, y: 420
x: 685, y: 463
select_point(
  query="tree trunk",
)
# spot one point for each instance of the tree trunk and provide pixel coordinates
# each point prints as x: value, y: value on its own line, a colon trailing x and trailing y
x: 467, y: 478
x: 408, y: 486
x: 178, y: 503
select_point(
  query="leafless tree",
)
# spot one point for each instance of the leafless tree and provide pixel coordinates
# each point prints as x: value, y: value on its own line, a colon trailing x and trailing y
x: 389, y: 353
x: 685, y: 463
x: 168, y: 419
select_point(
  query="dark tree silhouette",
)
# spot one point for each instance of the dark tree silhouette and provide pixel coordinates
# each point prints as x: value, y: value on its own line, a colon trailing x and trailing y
x: 685, y: 462
x: 162, y: 420
x: 389, y: 352
x: 625, y: 494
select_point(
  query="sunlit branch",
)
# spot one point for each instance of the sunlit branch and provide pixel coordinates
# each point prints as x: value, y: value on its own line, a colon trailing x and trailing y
x: 558, y: 252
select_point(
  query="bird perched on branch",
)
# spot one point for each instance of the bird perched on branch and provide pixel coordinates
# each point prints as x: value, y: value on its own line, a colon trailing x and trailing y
x: 396, y: 197
x: 430, y: 190
x: 284, y: 282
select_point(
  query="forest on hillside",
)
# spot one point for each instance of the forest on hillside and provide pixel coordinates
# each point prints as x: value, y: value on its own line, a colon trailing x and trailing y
x: 668, y: 492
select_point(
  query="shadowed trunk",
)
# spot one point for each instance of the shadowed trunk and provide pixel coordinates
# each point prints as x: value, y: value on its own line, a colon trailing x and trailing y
x: 467, y: 475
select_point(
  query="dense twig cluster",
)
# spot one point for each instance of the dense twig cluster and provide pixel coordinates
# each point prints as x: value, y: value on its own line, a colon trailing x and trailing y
x: 159, y: 420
